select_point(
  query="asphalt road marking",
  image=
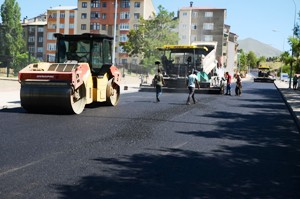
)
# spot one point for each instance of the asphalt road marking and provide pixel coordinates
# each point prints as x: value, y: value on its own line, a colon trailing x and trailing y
x: 19, y: 168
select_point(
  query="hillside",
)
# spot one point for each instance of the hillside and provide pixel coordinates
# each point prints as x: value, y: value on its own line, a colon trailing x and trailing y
x: 259, y: 48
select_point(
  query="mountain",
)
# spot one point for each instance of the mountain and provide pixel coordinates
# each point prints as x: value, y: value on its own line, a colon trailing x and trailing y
x: 259, y: 48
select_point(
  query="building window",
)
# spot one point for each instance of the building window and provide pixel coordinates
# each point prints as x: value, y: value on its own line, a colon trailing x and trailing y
x: 193, y: 37
x: 184, y: 14
x: 209, y: 14
x: 40, y: 49
x: 104, y: 16
x: 208, y: 38
x: 83, y: 15
x: 194, y: 26
x: 52, y: 26
x: 84, y: 4
x: 183, y: 37
x: 125, y: 15
x: 137, y: 4
x: 62, y: 15
x: 95, y: 26
x: 52, y: 15
x: 61, y: 26
x: 103, y: 27
x: 95, y: 15
x: 95, y: 4
x: 51, y: 57
x: 124, y: 61
x: 40, y: 29
x: 31, y: 39
x: 123, y: 38
x: 136, y: 15
x: 135, y: 26
x: 208, y: 26
x: 104, y: 5
x: 41, y: 39
x: 31, y: 29
x: 125, y: 4
x: 71, y: 26
x: 83, y: 26
x: 51, y: 46
x: 72, y: 15
x: 195, y: 14
x: 31, y: 49
x: 121, y: 50
x: 50, y: 36
x: 124, y: 26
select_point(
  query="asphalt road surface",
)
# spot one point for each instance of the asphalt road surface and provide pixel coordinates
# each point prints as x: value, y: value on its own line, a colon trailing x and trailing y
x: 221, y: 147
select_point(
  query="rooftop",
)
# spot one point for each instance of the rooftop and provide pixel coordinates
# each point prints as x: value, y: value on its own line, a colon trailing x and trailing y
x: 63, y: 8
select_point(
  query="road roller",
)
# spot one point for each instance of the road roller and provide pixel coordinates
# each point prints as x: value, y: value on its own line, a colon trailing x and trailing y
x: 82, y: 74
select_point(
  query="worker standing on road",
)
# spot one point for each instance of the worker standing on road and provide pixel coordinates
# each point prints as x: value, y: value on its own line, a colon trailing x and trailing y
x: 238, y: 87
x: 228, y: 88
x: 191, y: 83
x: 295, y: 81
x: 158, y: 82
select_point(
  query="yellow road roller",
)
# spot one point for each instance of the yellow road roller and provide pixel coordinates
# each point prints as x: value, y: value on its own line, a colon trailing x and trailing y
x: 83, y: 73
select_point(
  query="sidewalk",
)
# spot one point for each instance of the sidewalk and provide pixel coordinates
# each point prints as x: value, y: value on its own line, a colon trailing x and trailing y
x: 291, y: 98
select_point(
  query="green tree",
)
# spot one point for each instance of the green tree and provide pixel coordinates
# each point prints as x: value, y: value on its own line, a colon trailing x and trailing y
x: 252, y: 59
x: 11, y: 32
x: 150, y: 34
x: 293, y: 59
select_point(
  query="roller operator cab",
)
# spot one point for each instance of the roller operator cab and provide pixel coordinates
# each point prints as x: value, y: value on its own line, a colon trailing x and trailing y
x: 82, y: 73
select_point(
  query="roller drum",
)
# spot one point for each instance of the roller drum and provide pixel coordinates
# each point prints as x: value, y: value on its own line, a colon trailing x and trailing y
x: 51, y: 97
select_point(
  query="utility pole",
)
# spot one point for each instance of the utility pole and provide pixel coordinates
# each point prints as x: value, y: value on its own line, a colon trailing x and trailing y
x: 291, y: 63
x: 115, y: 34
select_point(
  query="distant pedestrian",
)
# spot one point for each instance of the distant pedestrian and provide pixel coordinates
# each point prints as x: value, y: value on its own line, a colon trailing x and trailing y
x: 158, y: 82
x: 191, y: 83
x: 238, y: 87
x: 228, y: 87
x: 295, y: 81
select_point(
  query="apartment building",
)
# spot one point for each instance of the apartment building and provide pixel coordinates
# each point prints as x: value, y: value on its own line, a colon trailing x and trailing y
x: 203, y: 24
x: 97, y: 16
x: 61, y: 19
x: 34, y: 31
x: 232, y: 53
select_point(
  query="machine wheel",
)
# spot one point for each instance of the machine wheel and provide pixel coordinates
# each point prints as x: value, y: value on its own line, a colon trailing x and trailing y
x: 78, y: 99
x: 112, y: 93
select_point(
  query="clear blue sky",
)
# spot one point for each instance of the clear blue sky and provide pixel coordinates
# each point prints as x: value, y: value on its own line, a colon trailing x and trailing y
x: 255, y: 18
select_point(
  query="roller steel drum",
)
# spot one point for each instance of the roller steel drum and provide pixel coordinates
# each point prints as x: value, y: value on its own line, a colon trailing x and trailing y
x: 58, y: 97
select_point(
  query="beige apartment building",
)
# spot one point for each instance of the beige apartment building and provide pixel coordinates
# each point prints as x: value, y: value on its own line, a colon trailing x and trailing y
x: 61, y: 19
x: 206, y: 24
x: 34, y: 31
x: 97, y: 16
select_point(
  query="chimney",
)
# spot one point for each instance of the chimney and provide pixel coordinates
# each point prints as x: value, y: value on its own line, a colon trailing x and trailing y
x: 191, y: 4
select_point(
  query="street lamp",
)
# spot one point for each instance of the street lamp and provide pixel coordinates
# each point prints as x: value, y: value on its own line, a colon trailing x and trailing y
x: 291, y: 63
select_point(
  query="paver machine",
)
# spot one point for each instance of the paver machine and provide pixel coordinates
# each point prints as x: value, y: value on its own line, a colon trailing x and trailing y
x: 83, y: 73
x: 264, y: 75
x: 178, y: 60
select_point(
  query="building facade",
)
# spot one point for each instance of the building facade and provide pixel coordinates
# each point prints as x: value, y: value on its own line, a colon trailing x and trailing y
x: 204, y: 24
x: 97, y: 16
x: 34, y: 31
x: 62, y: 19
